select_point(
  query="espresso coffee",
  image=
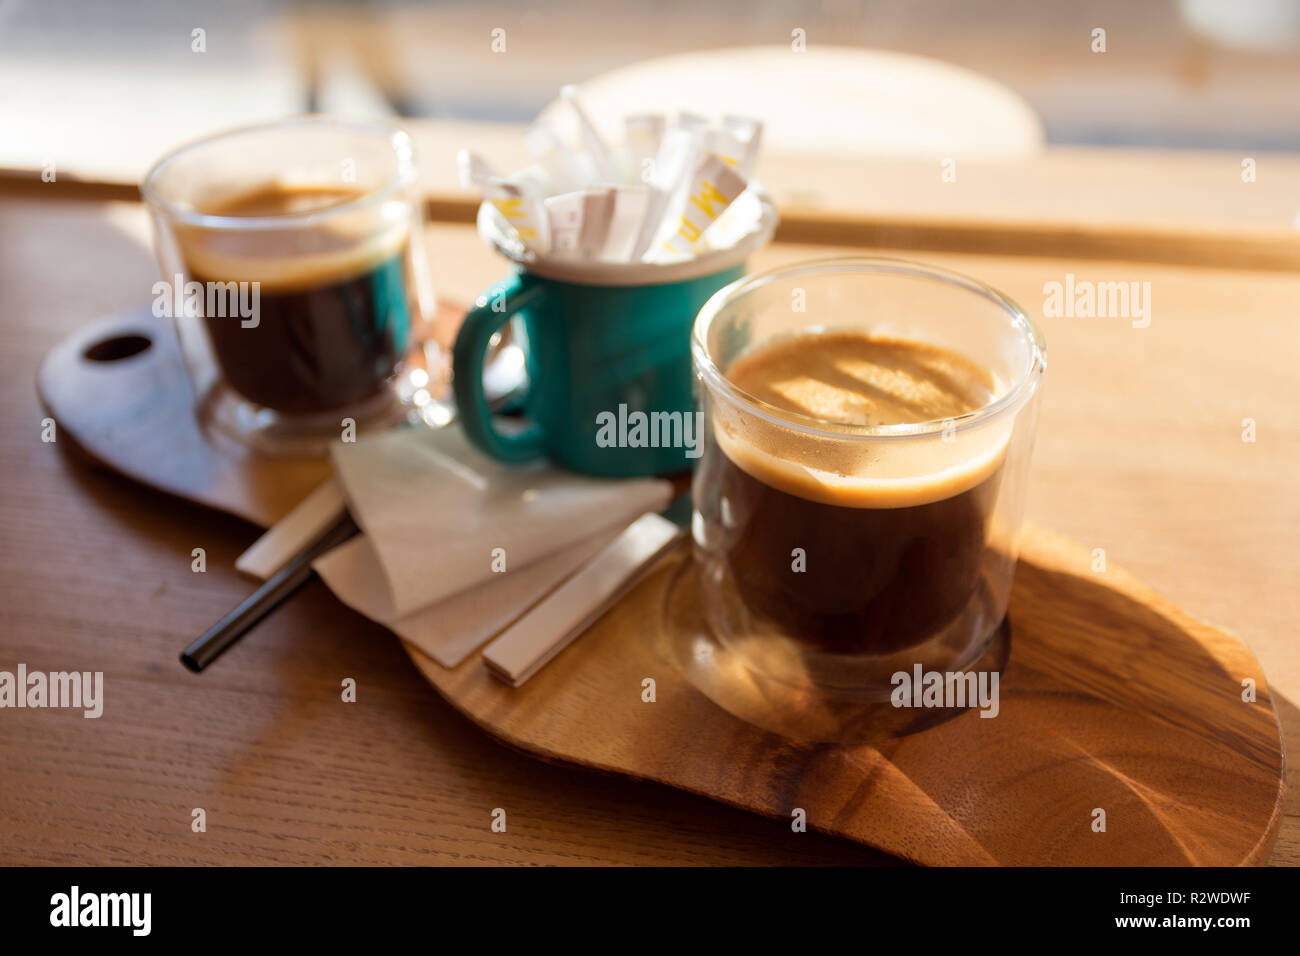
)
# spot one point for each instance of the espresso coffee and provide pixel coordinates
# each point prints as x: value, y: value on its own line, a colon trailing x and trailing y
x: 333, y: 320
x: 839, y: 554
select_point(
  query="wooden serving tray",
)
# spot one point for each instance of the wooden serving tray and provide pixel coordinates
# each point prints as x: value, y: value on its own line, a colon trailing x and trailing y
x: 1111, y: 698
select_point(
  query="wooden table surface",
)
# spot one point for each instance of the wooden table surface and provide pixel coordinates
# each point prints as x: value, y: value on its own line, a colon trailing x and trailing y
x: 1139, y: 452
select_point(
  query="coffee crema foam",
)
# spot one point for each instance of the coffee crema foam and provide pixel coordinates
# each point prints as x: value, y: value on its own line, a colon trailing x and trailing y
x: 854, y: 378
x: 327, y: 253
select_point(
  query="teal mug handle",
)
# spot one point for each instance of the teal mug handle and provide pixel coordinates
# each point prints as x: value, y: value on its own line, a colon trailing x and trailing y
x: 468, y: 356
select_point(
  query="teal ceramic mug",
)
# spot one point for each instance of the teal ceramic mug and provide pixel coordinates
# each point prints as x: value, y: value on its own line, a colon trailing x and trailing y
x: 607, y: 351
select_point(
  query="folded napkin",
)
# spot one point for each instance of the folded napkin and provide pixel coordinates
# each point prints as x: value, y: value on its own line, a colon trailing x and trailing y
x: 450, y: 630
x: 433, y: 511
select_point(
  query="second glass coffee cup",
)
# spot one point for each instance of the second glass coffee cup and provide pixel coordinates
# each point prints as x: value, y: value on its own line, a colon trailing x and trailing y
x: 868, y: 426
x: 292, y: 261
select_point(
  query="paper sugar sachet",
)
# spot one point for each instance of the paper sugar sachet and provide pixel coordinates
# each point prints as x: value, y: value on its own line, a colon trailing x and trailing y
x: 710, y: 191
x: 517, y: 202
x: 671, y: 191
x: 451, y: 629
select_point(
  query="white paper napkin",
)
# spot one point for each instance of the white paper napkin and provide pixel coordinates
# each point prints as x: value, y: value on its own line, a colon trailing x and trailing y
x: 451, y: 630
x: 434, y: 511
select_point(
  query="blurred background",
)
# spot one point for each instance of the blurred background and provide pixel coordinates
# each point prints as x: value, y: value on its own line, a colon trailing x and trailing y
x: 1175, y: 73
x: 1063, y: 114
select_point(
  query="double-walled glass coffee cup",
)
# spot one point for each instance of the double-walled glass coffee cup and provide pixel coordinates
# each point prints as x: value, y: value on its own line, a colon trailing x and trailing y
x: 292, y: 265
x: 834, y: 556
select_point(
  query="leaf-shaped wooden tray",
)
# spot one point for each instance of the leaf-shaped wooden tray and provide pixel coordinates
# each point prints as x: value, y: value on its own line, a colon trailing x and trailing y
x: 1111, y: 699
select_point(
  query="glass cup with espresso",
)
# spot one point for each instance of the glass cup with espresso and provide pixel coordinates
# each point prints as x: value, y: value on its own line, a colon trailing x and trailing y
x: 293, y: 269
x: 868, y: 426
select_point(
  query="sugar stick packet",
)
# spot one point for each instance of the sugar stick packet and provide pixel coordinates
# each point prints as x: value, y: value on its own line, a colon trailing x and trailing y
x: 738, y: 140
x: 666, y: 193
x: 625, y: 223
x: 562, y: 166
x: 678, y: 153
x: 599, y: 222
x: 579, y: 221
x: 518, y: 202
x: 605, y: 169
x: 642, y: 134
x: 474, y: 169
x: 692, y: 121
x: 733, y: 225
x: 714, y: 186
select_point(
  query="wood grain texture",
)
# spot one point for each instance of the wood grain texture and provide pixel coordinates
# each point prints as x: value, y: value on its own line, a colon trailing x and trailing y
x: 1175, y: 206
x: 1112, y: 699
x: 1139, y: 452
x: 95, y: 574
x: 136, y: 414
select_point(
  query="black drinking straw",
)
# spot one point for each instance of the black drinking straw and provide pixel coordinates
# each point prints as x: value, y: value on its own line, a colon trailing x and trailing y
x: 274, y: 591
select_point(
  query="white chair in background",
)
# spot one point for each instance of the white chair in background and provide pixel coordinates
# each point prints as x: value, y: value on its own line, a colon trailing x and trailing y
x: 827, y: 101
